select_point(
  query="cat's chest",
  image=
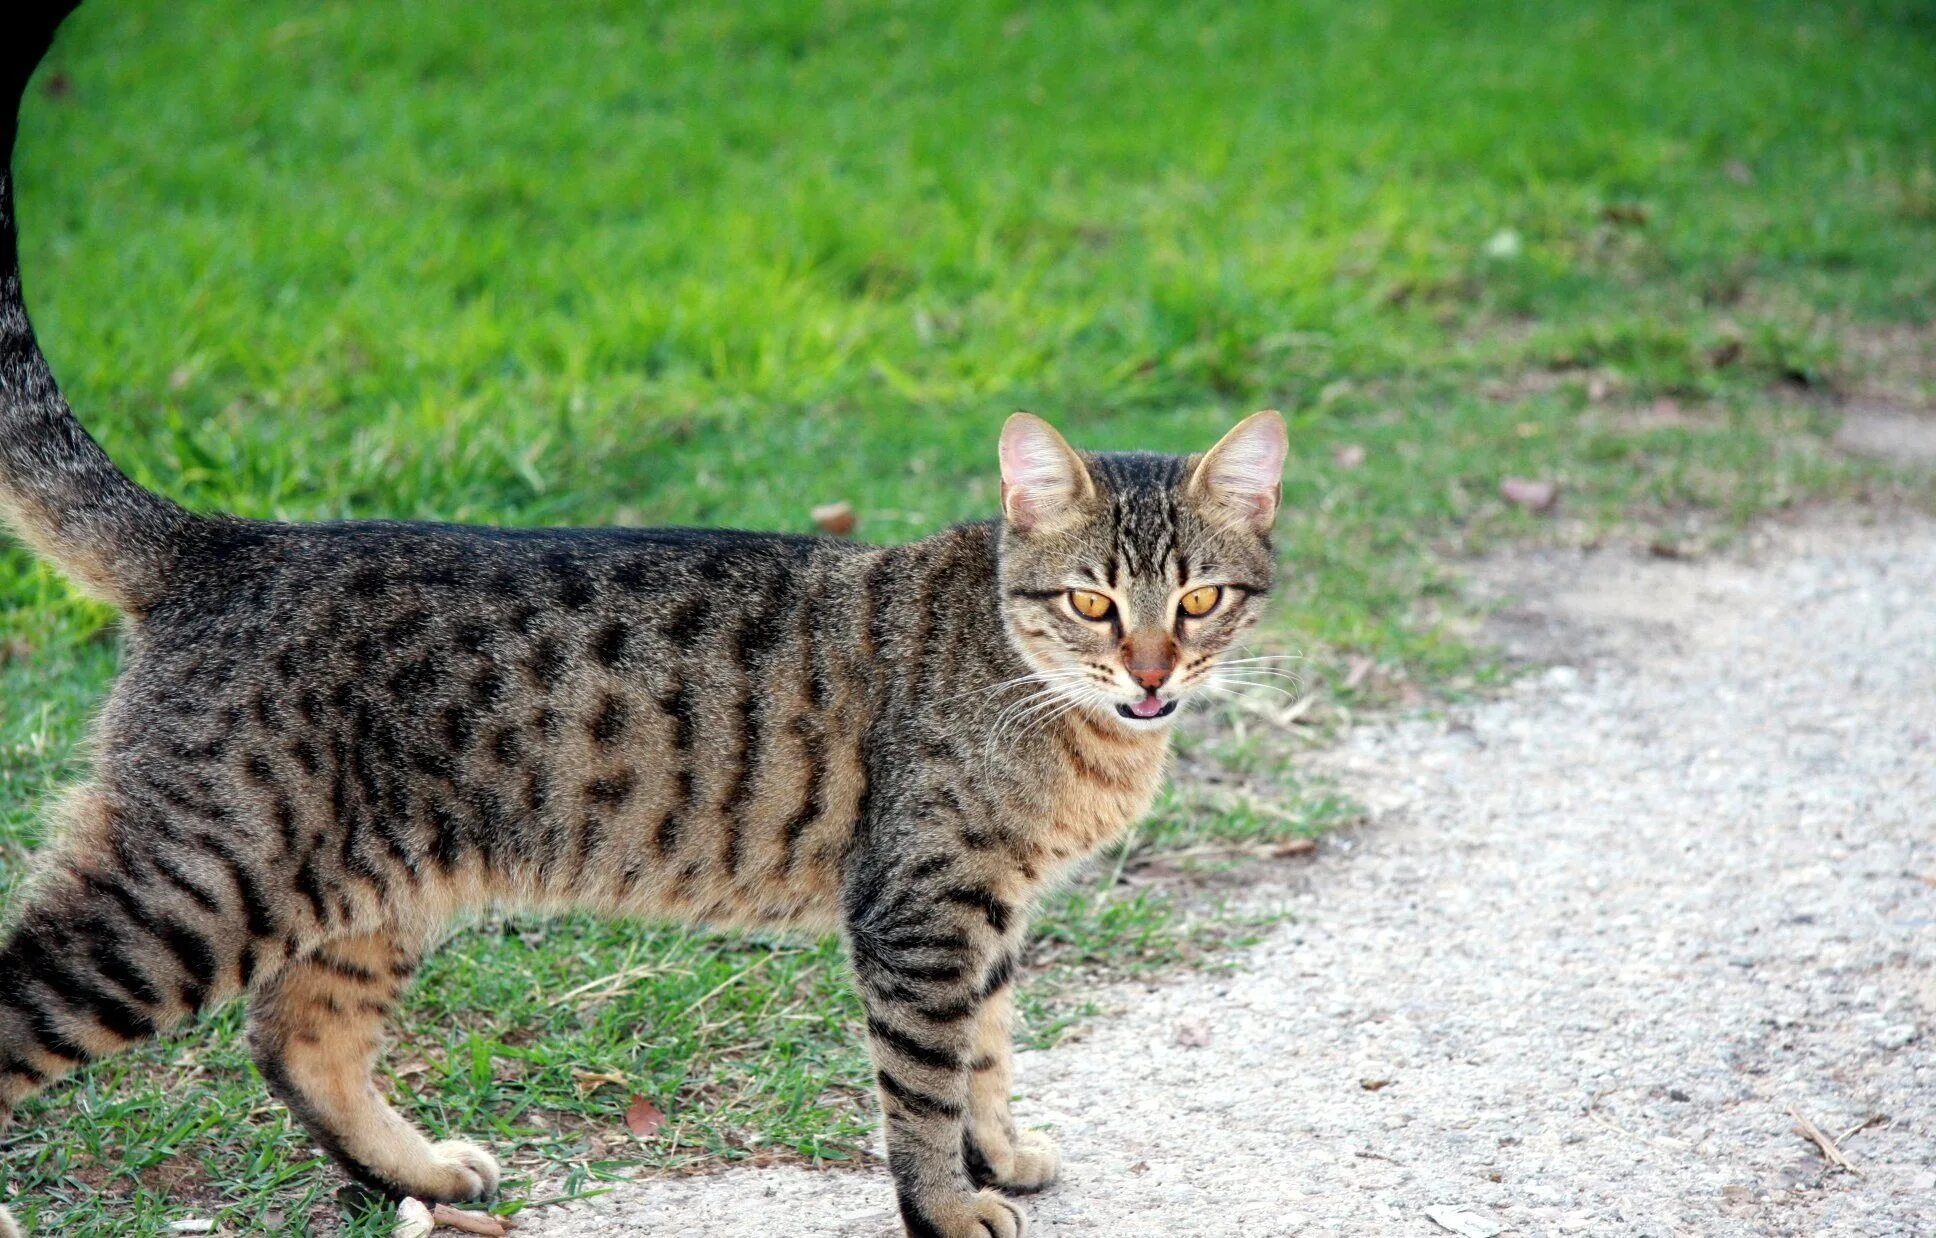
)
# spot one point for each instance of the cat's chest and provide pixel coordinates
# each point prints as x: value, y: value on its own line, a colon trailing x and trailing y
x: 1103, y: 783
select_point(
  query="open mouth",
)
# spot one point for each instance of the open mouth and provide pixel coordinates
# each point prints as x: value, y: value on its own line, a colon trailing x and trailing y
x: 1149, y: 707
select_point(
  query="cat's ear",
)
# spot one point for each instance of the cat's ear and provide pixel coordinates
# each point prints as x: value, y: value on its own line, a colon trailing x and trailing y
x: 1043, y: 479
x: 1243, y: 475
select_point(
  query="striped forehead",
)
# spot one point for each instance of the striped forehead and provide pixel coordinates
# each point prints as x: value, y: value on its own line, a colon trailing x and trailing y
x: 1143, y: 515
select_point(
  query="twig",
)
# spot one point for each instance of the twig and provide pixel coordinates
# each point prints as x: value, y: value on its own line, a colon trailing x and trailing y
x: 1285, y: 849
x: 1832, y: 1154
x: 607, y: 985
x: 729, y: 981
x: 1297, y: 709
x: 1873, y: 1119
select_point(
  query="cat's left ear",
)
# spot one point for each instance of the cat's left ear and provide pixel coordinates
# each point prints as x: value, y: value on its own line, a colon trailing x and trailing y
x: 1243, y: 475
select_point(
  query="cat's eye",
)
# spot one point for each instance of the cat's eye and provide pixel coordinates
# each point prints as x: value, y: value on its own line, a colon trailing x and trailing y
x: 1090, y: 605
x: 1199, y: 602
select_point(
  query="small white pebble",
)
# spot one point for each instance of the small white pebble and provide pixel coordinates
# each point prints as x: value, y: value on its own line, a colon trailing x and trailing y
x: 1897, y: 1036
x: 413, y: 1220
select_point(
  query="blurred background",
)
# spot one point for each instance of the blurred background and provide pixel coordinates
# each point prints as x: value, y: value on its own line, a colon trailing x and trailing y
x: 1566, y: 271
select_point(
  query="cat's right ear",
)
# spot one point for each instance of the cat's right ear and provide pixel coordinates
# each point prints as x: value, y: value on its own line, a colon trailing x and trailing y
x: 1043, y: 479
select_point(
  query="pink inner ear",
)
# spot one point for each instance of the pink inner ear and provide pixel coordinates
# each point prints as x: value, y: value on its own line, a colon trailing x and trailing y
x: 1245, y: 471
x: 1032, y: 461
x: 1038, y: 471
x: 1252, y: 466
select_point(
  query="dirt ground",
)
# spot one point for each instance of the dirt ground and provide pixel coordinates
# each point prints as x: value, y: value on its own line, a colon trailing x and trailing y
x: 1646, y: 946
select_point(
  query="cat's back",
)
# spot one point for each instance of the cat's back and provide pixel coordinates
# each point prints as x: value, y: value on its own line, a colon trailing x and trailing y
x: 403, y: 608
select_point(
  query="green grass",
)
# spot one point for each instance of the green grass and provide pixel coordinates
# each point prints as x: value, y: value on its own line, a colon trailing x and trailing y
x: 714, y: 264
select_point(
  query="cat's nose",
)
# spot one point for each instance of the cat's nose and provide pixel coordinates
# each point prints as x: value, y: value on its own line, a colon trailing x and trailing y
x: 1149, y: 661
x: 1150, y: 677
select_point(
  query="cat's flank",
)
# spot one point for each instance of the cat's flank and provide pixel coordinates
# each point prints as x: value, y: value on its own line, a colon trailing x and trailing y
x: 328, y: 741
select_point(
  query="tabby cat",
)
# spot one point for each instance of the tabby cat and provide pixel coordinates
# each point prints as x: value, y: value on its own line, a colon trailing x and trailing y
x: 329, y: 740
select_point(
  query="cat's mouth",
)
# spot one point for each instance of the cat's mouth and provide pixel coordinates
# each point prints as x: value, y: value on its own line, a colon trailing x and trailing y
x: 1147, y: 709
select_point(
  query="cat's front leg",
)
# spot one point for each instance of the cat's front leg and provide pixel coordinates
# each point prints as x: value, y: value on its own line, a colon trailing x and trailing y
x: 996, y: 1154
x: 926, y: 965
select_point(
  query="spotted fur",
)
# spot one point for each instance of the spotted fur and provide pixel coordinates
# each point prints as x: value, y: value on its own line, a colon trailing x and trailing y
x: 329, y: 740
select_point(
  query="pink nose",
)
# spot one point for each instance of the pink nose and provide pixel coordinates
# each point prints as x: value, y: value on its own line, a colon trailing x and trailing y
x: 1150, y: 677
x: 1149, y: 658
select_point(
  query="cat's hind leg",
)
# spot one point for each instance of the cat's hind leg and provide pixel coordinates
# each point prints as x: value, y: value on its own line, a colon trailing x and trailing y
x: 315, y: 1031
x: 116, y: 941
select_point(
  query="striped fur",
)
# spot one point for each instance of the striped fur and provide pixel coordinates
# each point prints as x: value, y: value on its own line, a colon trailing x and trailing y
x: 329, y: 740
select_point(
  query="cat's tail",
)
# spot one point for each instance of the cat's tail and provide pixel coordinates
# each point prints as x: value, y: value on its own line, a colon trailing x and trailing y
x: 58, y: 489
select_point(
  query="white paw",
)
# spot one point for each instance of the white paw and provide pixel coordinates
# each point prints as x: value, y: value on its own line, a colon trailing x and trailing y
x: 1017, y: 1163
x: 10, y: 1228
x: 463, y: 1173
x: 1037, y: 1161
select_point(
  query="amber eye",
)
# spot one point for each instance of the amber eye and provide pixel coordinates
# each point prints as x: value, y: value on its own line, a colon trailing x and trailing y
x: 1199, y: 602
x: 1090, y: 605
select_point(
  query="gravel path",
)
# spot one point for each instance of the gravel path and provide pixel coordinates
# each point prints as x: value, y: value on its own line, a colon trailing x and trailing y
x: 1602, y: 935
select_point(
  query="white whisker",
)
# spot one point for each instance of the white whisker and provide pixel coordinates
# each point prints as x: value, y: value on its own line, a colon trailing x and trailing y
x: 1231, y: 688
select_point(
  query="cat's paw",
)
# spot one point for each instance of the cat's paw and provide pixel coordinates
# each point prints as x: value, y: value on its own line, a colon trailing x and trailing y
x: 9, y: 1228
x: 461, y: 1173
x: 1037, y: 1161
x: 1028, y: 1162
x: 982, y: 1214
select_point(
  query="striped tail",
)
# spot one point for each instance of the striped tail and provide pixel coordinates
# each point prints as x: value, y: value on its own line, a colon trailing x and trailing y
x: 56, y: 485
x: 58, y: 489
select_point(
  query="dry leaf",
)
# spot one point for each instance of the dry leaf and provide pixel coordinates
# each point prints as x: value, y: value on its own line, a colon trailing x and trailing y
x: 643, y: 1118
x: 413, y: 1220
x: 835, y: 518
x: 1139, y: 1168
x: 589, y: 1081
x: 1193, y: 1035
x: 468, y: 1222
x: 1348, y: 455
x: 1295, y: 846
x: 1374, y: 1085
x: 1632, y: 214
x: 1532, y: 496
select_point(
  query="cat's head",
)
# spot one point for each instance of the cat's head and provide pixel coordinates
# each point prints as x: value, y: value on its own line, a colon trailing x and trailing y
x: 1125, y: 578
